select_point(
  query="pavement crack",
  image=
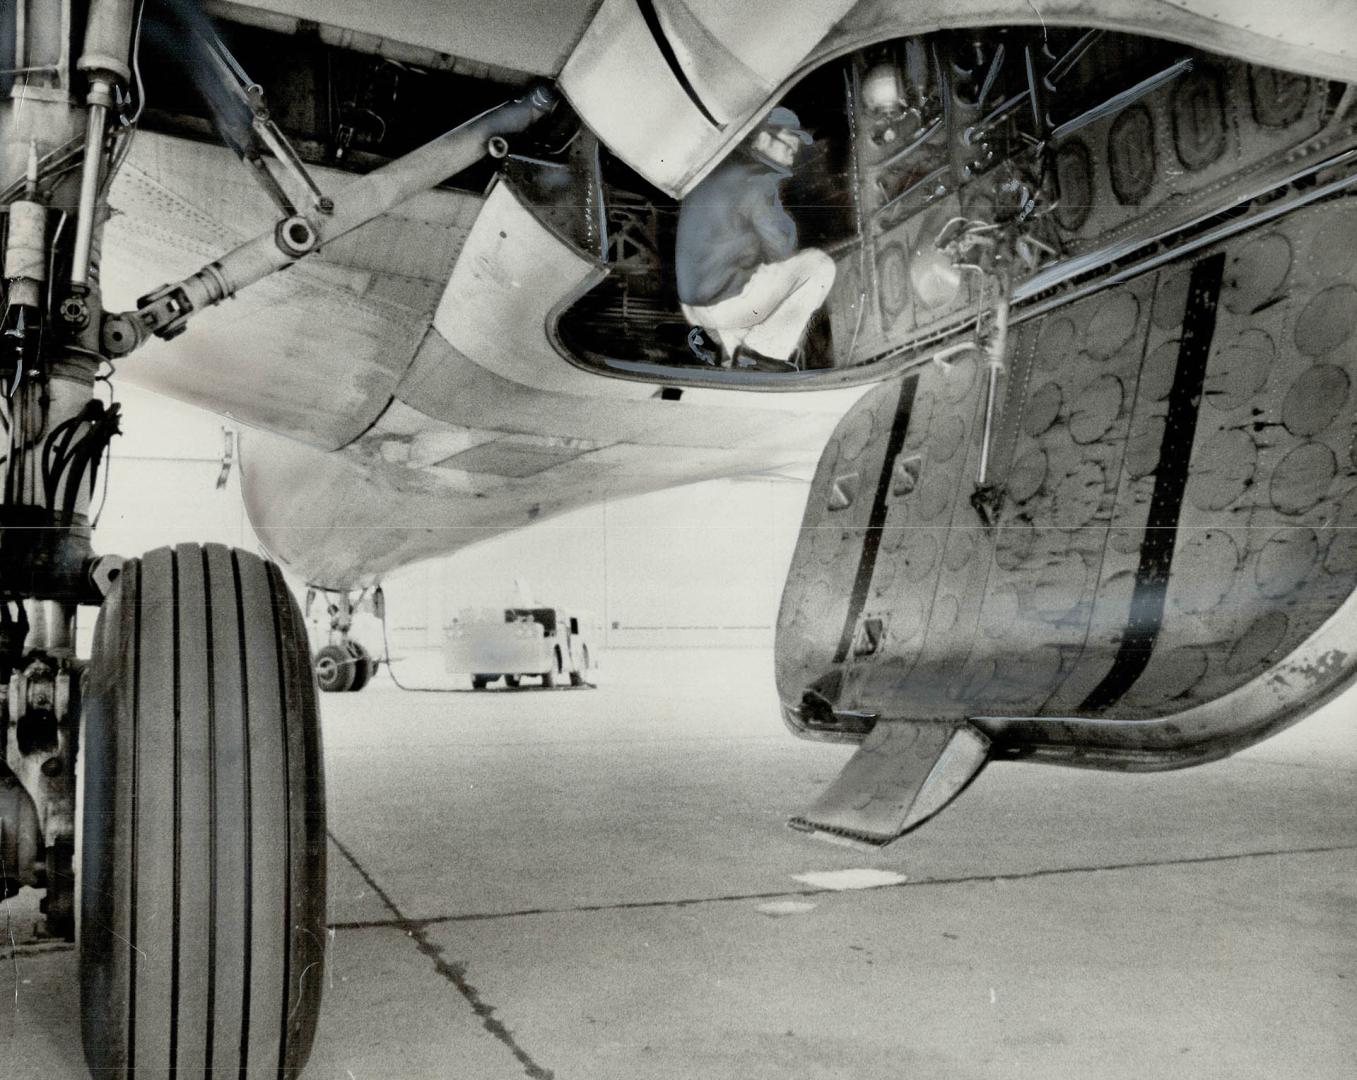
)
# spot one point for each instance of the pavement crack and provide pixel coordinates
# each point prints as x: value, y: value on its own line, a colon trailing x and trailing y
x: 784, y: 894
x: 417, y: 931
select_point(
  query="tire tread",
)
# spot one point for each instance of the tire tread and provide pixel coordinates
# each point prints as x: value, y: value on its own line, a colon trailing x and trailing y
x: 202, y: 684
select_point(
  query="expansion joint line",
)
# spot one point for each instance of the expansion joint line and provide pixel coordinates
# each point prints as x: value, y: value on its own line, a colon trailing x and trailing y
x: 813, y: 892
x: 418, y: 932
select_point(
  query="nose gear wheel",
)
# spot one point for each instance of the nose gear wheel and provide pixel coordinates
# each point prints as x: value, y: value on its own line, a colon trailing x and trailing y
x: 335, y: 669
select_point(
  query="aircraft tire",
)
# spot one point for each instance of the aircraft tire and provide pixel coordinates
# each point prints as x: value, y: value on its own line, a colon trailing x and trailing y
x: 362, y: 666
x: 202, y: 872
x: 549, y: 679
x: 335, y: 669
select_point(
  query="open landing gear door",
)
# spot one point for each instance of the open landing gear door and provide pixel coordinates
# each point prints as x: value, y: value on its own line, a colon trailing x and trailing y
x: 667, y: 83
x: 1154, y: 566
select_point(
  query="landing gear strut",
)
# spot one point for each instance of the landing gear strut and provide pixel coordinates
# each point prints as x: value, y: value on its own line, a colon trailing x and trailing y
x: 200, y: 832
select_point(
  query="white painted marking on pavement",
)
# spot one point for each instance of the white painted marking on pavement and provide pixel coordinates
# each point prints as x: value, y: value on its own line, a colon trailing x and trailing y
x: 779, y: 909
x: 863, y: 878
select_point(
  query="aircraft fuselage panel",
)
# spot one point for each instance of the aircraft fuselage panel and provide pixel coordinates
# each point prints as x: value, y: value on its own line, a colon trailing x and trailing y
x: 1162, y: 570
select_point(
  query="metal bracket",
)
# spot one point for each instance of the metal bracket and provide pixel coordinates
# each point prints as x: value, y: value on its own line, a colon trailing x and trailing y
x: 41, y: 704
x: 41, y: 711
x: 903, y: 773
x: 234, y: 79
x: 274, y: 139
x: 228, y: 456
x: 104, y: 572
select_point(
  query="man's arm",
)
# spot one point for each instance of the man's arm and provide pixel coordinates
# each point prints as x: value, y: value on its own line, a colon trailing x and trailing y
x: 775, y: 228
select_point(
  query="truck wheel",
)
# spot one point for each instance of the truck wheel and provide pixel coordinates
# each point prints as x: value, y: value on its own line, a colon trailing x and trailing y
x: 577, y: 674
x: 512, y: 682
x: 334, y: 669
x: 362, y: 666
x: 203, y: 844
x: 480, y: 682
x: 548, y: 679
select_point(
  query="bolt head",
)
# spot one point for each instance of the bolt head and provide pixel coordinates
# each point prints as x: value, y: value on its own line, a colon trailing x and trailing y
x: 74, y: 312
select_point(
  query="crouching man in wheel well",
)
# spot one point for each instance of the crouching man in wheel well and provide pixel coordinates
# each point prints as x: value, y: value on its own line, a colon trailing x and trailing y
x: 740, y: 276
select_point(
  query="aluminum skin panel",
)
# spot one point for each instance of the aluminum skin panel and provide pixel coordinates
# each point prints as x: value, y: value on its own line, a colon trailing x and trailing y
x: 735, y: 55
x: 489, y: 429
x: 622, y: 86
x: 525, y: 35
x: 625, y: 88
x: 1318, y: 37
x: 315, y: 352
x: 406, y: 490
x: 511, y: 277
x: 1177, y: 531
x: 1312, y: 37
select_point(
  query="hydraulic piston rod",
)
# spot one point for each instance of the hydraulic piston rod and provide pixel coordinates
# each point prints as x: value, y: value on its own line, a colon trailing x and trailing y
x: 91, y: 169
x: 996, y: 351
x: 165, y: 311
x: 104, y: 60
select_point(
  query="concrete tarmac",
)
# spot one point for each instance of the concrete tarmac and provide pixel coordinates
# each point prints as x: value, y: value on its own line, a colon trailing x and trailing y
x: 597, y: 884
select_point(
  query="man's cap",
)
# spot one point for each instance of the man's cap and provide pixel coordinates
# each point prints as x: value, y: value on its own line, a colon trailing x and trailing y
x: 783, y: 119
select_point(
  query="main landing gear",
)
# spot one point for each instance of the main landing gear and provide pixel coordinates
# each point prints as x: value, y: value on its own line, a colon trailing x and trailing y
x: 168, y: 793
x: 203, y: 876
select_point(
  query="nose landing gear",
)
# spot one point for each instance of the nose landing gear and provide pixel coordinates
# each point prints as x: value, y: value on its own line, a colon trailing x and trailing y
x: 344, y: 664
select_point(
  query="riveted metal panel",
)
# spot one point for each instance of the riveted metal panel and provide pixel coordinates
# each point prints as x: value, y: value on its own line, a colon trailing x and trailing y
x: 315, y: 352
x: 667, y: 84
x: 1180, y: 506
x: 623, y: 87
x: 735, y: 55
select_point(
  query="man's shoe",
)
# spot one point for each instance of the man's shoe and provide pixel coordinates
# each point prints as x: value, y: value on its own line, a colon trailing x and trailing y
x: 751, y: 359
x: 700, y: 346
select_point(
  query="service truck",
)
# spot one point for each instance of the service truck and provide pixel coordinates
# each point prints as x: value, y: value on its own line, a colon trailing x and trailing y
x: 509, y: 643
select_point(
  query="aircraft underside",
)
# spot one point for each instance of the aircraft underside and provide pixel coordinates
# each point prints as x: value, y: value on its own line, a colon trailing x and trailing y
x: 1082, y: 394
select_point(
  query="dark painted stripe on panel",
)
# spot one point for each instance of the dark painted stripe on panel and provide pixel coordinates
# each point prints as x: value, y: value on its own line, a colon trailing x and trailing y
x: 871, y: 540
x: 1170, y: 482
x: 652, y: 18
